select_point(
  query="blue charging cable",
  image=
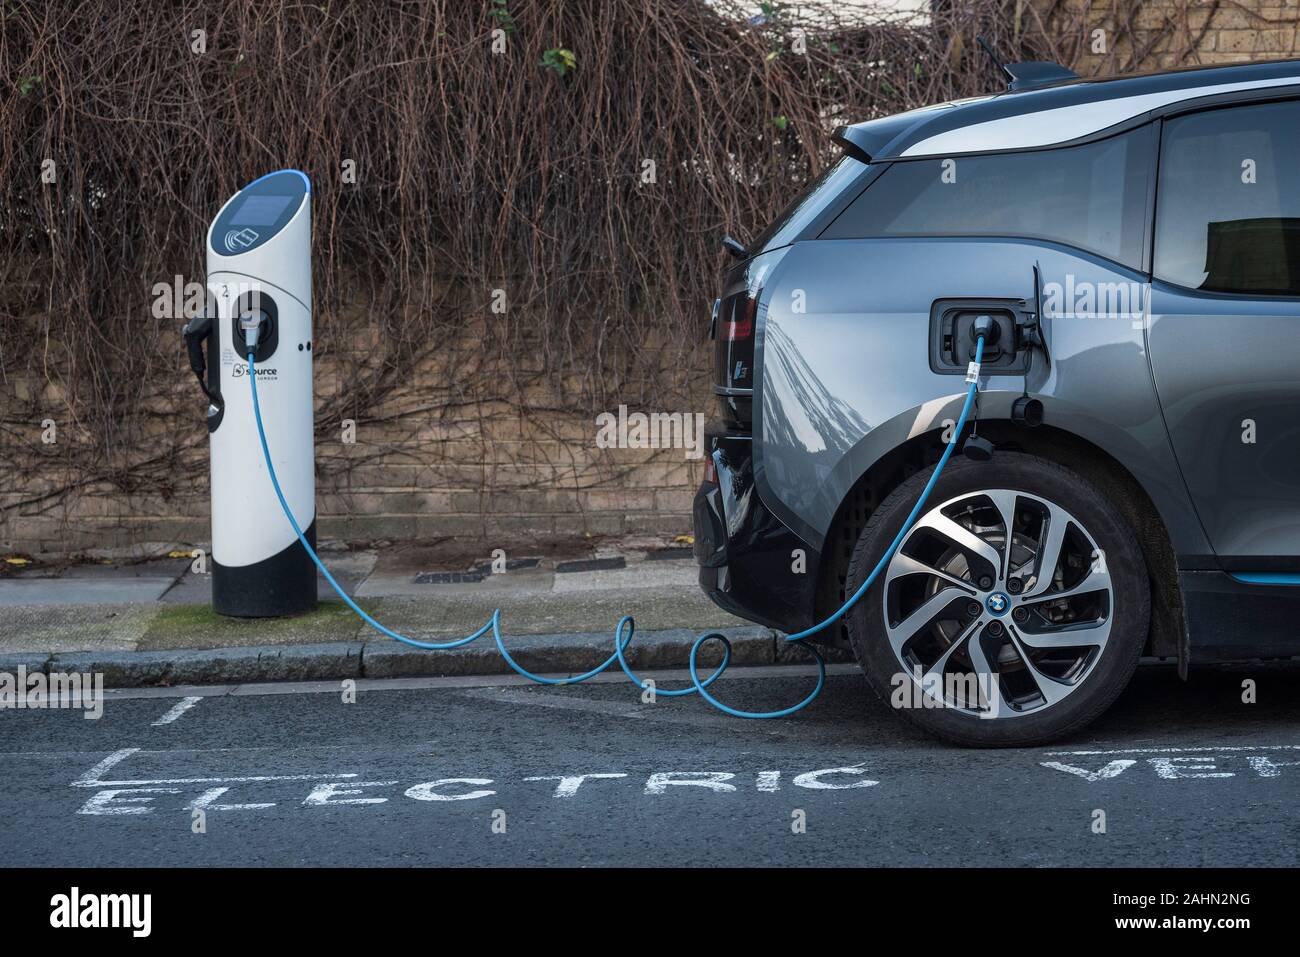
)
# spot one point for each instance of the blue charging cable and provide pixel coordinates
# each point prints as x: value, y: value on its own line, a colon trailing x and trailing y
x: 626, y: 626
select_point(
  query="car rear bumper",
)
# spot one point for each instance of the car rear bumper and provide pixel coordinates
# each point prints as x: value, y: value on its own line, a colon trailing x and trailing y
x: 751, y: 564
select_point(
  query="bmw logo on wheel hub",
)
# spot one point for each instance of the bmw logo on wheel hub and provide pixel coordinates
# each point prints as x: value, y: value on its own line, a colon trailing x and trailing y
x: 997, y: 603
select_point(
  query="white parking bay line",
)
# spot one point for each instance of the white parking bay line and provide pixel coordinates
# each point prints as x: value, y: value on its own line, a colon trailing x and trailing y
x: 618, y: 709
x: 1221, y: 748
x: 178, y: 709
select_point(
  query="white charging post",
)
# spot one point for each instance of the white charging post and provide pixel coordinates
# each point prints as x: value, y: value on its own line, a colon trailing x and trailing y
x: 259, y: 292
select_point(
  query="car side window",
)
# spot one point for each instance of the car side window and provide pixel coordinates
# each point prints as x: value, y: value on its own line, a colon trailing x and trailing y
x: 1091, y: 196
x: 1228, y: 208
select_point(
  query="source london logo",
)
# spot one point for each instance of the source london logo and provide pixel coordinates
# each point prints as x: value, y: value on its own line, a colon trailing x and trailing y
x: 75, y: 909
x: 241, y: 369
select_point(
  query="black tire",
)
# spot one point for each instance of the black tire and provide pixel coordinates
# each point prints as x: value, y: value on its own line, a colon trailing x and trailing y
x: 1130, y: 599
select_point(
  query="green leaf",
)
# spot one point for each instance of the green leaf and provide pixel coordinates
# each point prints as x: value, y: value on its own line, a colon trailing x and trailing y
x: 27, y: 83
x: 501, y: 14
x: 560, y: 60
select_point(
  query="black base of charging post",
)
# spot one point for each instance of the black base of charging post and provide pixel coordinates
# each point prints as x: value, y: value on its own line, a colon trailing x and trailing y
x: 277, y: 587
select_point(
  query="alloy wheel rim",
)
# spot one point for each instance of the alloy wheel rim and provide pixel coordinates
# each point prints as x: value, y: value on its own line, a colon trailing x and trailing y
x: 998, y: 603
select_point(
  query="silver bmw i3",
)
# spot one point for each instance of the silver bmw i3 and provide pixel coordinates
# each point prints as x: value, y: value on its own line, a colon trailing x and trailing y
x: 1130, y: 249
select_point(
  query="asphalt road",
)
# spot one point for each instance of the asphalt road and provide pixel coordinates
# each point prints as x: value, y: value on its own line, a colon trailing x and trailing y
x: 1185, y: 774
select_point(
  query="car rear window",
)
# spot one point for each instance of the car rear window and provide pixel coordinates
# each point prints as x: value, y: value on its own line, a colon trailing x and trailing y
x: 808, y: 205
x: 1093, y: 197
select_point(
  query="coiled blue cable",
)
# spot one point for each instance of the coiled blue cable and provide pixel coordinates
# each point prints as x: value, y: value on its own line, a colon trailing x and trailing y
x: 626, y: 627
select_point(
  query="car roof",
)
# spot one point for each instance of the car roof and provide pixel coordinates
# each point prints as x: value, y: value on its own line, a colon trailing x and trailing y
x: 1057, y: 114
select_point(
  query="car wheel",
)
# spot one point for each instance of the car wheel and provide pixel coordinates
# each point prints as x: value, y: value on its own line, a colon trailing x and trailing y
x: 1013, y: 612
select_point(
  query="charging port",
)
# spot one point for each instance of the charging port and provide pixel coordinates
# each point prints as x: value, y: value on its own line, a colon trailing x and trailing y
x: 257, y: 317
x: 955, y: 325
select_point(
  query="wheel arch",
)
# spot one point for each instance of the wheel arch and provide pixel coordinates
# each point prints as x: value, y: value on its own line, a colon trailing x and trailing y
x: 1168, y: 637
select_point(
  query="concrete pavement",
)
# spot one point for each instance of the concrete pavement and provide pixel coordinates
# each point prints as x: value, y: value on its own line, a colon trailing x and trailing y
x: 149, y: 623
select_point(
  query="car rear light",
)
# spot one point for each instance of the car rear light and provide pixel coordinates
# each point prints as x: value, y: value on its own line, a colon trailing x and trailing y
x: 710, y: 471
x: 740, y: 324
x: 735, y: 324
x: 735, y: 345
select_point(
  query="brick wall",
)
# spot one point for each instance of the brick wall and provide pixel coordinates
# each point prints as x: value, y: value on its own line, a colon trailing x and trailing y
x: 1163, y: 34
x: 433, y: 460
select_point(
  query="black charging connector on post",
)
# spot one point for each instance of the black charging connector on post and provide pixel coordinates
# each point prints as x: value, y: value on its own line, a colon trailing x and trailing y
x: 196, y: 333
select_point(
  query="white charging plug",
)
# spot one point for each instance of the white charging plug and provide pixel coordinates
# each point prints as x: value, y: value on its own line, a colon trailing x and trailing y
x: 251, y: 322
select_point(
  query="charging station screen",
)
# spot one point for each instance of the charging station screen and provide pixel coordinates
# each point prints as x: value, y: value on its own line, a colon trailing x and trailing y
x: 259, y: 210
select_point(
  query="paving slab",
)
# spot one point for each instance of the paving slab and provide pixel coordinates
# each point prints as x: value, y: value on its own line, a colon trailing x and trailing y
x: 525, y: 581
x: 644, y: 574
x: 189, y: 589
x: 171, y: 568
x: 82, y: 591
x: 349, y: 569
x: 49, y: 628
x: 444, y: 616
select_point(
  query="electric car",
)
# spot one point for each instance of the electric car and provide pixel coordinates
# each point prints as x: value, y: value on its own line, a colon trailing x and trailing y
x: 1130, y: 483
